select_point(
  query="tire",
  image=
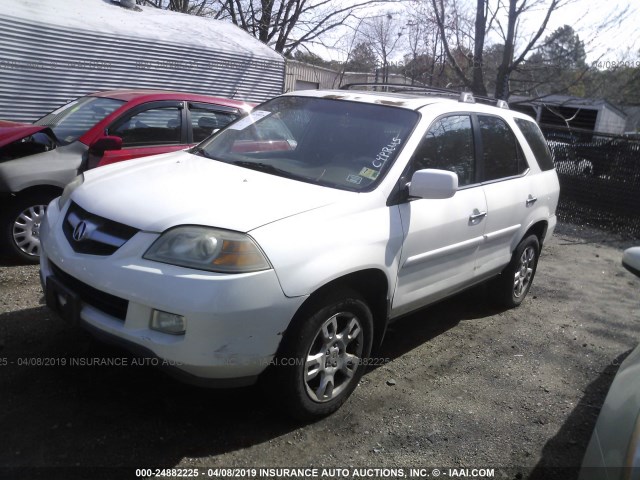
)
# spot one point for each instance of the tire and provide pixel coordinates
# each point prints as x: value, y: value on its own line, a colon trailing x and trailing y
x: 510, y: 288
x: 323, y: 356
x: 21, y: 226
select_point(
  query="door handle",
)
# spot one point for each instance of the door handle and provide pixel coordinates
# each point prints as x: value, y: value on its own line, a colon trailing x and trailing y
x: 531, y: 200
x: 476, y: 216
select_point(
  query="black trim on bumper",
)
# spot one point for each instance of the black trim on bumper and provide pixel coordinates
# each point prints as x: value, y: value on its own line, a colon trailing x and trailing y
x: 171, y: 370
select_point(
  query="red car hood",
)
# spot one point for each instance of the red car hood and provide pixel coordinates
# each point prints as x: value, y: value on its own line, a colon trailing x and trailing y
x: 12, y: 131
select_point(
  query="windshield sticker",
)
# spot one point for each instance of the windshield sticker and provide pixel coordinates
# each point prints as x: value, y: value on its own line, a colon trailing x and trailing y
x: 386, y: 152
x: 250, y: 119
x: 369, y: 173
x: 354, y: 179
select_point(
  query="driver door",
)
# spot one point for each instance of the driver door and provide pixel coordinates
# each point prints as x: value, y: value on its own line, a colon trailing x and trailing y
x: 441, y: 236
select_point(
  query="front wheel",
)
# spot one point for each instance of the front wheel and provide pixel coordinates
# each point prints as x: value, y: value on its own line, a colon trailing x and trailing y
x: 512, y: 285
x: 21, y: 226
x: 323, y: 354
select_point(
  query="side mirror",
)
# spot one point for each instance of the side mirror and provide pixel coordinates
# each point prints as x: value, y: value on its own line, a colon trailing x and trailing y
x: 631, y: 260
x: 433, y: 184
x: 102, y: 144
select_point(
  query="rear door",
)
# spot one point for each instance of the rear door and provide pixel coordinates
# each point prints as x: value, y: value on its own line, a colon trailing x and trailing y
x: 503, y: 171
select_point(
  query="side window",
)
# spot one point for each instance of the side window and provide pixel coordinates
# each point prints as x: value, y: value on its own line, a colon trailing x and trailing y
x: 205, y: 121
x: 500, y: 150
x: 156, y: 126
x: 448, y: 145
x: 536, y: 141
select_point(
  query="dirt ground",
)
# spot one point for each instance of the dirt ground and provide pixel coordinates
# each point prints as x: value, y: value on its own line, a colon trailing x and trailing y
x: 465, y: 386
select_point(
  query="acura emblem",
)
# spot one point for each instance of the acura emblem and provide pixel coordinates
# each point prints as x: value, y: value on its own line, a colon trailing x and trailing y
x: 81, y: 232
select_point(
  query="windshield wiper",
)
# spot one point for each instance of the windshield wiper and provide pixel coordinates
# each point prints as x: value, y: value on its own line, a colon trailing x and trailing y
x: 266, y: 168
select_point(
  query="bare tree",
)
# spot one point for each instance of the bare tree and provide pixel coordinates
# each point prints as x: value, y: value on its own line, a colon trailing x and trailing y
x: 503, y: 17
x: 383, y: 33
x: 289, y: 24
x: 192, y: 7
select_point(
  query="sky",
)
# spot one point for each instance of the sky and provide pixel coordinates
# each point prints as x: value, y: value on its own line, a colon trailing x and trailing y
x: 615, y: 42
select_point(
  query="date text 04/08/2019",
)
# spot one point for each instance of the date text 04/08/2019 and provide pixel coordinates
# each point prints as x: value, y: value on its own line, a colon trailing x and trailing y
x: 324, y: 473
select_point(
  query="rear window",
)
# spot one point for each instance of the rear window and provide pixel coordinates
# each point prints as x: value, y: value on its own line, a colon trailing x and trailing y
x: 536, y: 141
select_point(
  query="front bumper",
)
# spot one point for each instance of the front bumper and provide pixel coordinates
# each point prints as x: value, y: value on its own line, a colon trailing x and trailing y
x: 234, y: 323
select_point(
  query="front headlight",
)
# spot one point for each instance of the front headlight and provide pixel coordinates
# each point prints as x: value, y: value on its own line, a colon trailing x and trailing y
x: 209, y: 249
x: 68, y: 190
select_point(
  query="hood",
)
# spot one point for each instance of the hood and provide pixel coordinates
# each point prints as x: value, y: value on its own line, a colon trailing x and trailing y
x: 159, y: 192
x: 12, y: 131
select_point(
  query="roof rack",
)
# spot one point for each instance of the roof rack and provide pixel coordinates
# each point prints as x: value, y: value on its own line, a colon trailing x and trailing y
x: 463, y: 97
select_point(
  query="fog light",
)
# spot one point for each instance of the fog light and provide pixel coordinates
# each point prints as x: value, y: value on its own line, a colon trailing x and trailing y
x: 166, y: 322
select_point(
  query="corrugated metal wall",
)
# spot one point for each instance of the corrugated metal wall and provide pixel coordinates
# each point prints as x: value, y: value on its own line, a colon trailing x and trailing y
x: 43, y: 67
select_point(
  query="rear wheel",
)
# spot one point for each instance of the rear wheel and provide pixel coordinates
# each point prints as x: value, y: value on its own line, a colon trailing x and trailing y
x: 511, y: 287
x: 321, y: 359
x: 21, y: 226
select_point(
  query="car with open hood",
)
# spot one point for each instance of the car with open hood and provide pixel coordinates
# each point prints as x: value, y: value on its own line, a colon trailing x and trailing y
x: 37, y: 161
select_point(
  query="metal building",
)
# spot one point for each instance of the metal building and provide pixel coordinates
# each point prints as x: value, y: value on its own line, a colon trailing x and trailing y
x: 303, y: 76
x: 52, y: 51
x: 596, y: 115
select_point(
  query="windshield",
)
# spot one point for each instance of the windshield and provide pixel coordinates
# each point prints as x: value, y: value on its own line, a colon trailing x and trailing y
x: 336, y: 143
x: 72, y: 120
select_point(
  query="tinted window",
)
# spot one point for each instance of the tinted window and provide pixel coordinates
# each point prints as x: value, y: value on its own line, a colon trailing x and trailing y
x: 156, y: 126
x: 205, y: 121
x: 500, y: 150
x: 448, y: 145
x: 537, y: 143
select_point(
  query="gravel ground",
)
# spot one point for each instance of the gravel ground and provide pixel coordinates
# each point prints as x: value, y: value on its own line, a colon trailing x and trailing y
x: 465, y: 386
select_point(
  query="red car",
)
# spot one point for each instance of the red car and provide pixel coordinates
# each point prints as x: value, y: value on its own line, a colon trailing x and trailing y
x: 37, y: 161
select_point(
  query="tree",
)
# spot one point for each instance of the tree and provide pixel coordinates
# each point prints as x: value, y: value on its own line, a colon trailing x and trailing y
x: 502, y: 17
x: 564, y: 49
x: 192, y: 7
x: 363, y: 58
x: 289, y: 24
x: 383, y: 33
x: 286, y: 25
x: 557, y: 66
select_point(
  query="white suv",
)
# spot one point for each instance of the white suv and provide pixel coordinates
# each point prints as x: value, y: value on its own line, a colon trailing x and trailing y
x: 283, y: 245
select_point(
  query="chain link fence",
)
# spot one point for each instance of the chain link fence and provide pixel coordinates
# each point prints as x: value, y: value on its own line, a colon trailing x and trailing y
x: 599, y: 179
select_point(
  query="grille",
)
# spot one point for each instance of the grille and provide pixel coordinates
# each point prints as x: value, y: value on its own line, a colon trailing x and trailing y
x: 93, y: 235
x: 105, y: 302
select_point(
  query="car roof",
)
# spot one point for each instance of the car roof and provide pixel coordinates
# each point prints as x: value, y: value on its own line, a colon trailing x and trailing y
x: 403, y: 100
x: 412, y: 100
x: 155, y: 95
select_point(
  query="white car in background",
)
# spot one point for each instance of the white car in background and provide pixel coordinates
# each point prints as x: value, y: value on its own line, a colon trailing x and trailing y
x: 613, y: 452
x: 285, y: 244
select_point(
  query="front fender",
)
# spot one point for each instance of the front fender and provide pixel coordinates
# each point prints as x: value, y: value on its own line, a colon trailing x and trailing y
x: 55, y: 167
x: 312, y: 249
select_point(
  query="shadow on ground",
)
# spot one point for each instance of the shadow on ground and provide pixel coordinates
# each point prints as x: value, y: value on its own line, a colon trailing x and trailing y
x: 135, y: 416
x: 568, y: 446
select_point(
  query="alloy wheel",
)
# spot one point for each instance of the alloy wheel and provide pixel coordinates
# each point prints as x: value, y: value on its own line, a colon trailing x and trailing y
x: 334, y: 357
x: 524, y: 273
